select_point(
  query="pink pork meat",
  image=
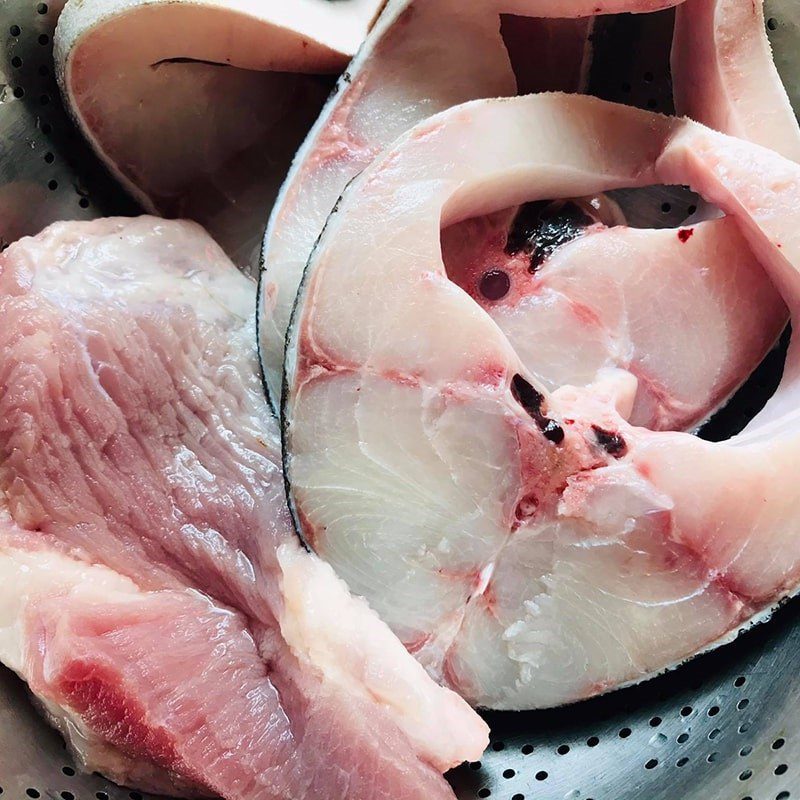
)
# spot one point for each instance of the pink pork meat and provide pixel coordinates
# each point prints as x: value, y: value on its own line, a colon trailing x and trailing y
x: 153, y: 593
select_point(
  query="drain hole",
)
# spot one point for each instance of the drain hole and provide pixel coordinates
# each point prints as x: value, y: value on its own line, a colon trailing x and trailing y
x: 31, y: 792
x: 592, y: 741
x: 68, y: 771
x: 745, y: 775
x: 563, y: 749
x: 651, y: 764
x: 682, y: 762
x: 509, y: 773
x: 484, y: 792
x: 541, y: 775
x: 781, y: 768
x: 686, y: 710
x: 526, y: 749
x: 624, y: 733
x: 682, y: 738
x: 713, y: 711
x: 778, y: 743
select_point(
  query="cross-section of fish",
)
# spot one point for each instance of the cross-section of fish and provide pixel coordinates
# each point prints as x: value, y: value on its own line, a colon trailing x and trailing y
x: 197, y: 106
x: 406, y: 71
x: 724, y: 74
x: 152, y: 592
x: 525, y: 540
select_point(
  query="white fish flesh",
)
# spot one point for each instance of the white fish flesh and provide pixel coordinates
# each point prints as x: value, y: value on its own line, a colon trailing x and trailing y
x: 528, y: 543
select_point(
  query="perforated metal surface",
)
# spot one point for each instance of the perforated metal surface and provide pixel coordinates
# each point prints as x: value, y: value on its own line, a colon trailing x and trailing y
x: 724, y: 727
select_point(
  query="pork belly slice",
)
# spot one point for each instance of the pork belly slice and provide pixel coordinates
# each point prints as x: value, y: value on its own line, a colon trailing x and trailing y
x: 526, y: 541
x: 155, y: 597
x: 406, y: 71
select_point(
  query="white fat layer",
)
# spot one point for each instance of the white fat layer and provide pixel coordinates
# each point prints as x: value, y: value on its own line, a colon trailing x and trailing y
x: 345, y: 640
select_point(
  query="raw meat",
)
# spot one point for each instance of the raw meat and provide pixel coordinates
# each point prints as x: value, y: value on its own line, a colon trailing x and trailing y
x: 197, y: 106
x: 539, y: 548
x: 405, y: 72
x: 724, y: 75
x: 152, y: 591
x: 582, y: 301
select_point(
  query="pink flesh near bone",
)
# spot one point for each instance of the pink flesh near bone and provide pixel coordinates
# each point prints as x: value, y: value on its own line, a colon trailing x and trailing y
x: 404, y: 72
x: 536, y: 555
x: 724, y: 75
x: 589, y: 307
x: 152, y: 591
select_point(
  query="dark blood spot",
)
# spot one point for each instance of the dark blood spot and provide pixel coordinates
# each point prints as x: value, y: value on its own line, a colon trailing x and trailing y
x: 526, y: 396
x: 532, y: 402
x: 494, y: 284
x: 611, y: 442
x: 541, y: 227
x: 526, y: 507
x: 552, y: 431
x: 684, y: 234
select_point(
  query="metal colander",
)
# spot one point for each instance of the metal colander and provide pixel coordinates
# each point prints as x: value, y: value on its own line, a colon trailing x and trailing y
x: 723, y: 727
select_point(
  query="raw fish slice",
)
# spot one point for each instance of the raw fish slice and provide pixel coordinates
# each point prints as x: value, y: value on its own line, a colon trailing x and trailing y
x: 539, y: 548
x: 583, y: 301
x: 134, y: 435
x: 404, y: 73
x: 724, y: 74
x: 197, y: 106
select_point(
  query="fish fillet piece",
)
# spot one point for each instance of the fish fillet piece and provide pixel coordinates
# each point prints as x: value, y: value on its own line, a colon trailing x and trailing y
x: 724, y: 74
x: 539, y: 547
x: 197, y: 106
x: 405, y: 72
x: 156, y: 598
x: 595, y: 288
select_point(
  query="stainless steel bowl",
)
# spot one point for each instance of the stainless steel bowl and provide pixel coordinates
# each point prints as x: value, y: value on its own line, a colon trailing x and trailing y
x: 723, y: 727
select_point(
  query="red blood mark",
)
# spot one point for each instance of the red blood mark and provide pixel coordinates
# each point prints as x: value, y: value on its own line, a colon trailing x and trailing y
x: 415, y: 645
x: 308, y: 533
x: 684, y: 234
x: 586, y: 315
x: 494, y: 284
